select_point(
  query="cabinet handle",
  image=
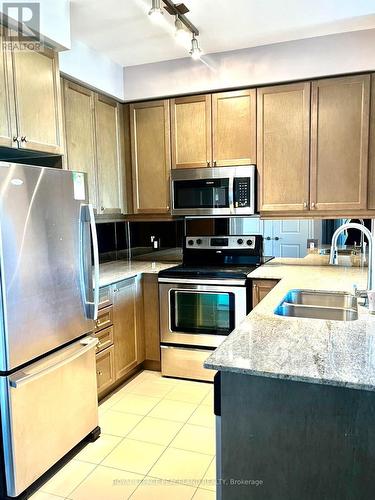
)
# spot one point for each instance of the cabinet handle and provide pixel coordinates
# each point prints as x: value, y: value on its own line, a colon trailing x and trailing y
x: 277, y: 238
x: 208, y: 164
x: 16, y: 139
x: 23, y: 138
x: 305, y: 204
x: 102, y: 209
x: 215, y: 163
x: 268, y: 238
x: 100, y: 373
x: 168, y: 207
x: 313, y: 204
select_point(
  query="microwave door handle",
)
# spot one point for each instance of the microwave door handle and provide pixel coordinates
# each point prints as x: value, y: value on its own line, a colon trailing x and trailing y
x: 90, y: 295
x: 231, y: 194
x: 18, y: 380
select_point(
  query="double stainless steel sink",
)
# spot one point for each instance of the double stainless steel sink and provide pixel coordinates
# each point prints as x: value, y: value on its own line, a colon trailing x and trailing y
x: 320, y: 304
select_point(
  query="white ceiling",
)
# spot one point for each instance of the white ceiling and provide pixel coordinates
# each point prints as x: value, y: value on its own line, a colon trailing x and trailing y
x: 122, y: 30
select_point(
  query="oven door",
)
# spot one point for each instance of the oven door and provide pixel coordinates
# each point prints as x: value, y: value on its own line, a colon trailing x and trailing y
x: 200, y: 315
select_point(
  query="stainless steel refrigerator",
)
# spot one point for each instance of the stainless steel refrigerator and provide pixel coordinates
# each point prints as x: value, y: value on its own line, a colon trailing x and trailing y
x: 48, y: 255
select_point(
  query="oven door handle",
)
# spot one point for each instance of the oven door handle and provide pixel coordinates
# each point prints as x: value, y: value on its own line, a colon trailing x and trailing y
x: 224, y: 282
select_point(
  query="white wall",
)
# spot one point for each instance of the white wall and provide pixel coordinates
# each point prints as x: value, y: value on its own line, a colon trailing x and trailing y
x: 89, y: 67
x: 301, y: 59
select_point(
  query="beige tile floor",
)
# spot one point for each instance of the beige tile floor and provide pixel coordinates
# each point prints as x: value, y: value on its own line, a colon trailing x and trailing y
x: 157, y: 442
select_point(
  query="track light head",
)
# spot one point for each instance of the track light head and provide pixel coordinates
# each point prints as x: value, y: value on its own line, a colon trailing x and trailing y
x: 156, y: 12
x: 195, y: 51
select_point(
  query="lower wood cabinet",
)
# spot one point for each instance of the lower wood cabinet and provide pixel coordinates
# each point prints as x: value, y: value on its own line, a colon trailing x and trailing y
x: 105, y: 369
x: 127, y: 319
x: 151, y: 321
x: 261, y: 288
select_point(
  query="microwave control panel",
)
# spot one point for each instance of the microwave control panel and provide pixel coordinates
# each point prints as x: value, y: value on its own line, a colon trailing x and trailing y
x: 241, y: 187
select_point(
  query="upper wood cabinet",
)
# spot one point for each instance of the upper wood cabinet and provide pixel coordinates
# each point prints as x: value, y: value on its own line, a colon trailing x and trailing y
x: 109, y: 154
x: 234, y: 128
x: 191, y: 131
x: 339, y: 143
x: 151, y: 160
x: 93, y: 132
x: 80, y: 133
x: 371, y: 176
x: 38, y: 100
x: 283, y: 132
x: 214, y: 130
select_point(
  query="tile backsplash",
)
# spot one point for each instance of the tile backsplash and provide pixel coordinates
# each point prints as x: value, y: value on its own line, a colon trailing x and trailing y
x: 122, y: 240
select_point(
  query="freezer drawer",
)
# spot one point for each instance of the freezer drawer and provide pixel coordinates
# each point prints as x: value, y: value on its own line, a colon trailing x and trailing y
x: 47, y: 408
x: 185, y: 363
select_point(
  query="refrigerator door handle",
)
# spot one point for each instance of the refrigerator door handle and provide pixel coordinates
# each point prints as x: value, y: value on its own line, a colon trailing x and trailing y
x: 21, y: 378
x: 90, y: 291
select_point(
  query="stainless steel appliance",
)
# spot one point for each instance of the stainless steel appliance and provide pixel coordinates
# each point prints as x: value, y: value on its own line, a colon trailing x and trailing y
x: 48, y: 400
x: 214, y: 191
x: 204, y: 300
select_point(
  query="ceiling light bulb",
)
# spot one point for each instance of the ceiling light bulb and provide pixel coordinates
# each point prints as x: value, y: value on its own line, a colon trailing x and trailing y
x: 181, y: 34
x: 156, y: 12
x: 195, y: 52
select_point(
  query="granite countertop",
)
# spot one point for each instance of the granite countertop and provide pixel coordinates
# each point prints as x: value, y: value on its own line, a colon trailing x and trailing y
x: 115, y: 271
x: 308, y: 350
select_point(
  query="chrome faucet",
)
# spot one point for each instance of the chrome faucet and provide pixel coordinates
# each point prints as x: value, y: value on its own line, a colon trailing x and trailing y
x: 333, y: 259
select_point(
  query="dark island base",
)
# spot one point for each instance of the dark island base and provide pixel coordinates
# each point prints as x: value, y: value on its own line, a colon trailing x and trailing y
x: 294, y: 440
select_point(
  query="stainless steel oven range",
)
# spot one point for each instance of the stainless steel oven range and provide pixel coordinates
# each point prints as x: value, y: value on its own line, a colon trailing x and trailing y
x: 203, y: 300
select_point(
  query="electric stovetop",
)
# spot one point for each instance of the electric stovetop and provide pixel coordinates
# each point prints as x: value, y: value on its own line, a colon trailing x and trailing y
x: 227, y: 271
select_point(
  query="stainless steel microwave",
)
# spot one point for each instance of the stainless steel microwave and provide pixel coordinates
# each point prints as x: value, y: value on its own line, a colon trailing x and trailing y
x: 214, y: 191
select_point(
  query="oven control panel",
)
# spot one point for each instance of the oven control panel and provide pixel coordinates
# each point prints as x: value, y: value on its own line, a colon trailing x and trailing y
x: 221, y: 242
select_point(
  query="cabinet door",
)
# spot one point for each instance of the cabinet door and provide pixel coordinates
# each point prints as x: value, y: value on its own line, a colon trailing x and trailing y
x: 191, y: 131
x: 234, y: 128
x: 371, y: 177
x: 79, y: 132
x: 125, y: 314
x: 150, y: 143
x: 339, y: 143
x: 105, y: 369
x: 283, y: 147
x: 261, y: 288
x: 8, y: 129
x: 109, y: 155
x: 38, y: 100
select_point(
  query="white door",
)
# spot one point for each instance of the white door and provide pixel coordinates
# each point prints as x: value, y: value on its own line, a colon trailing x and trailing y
x: 287, y: 238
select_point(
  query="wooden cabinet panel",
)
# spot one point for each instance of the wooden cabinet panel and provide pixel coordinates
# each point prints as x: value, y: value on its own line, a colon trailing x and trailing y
x: 261, y: 288
x: 234, y: 128
x: 110, y: 172
x: 283, y: 134
x: 105, y: 369
x: 151, y: 317
x: 191, y: 131
x: 371, y: 176
x: 126, y: 300
x: 105, y: 318
x: 105, y: 339
x: 105, y: 297
x: 79, y: 130
x: 8, y: 128
x: 38, y: 100
x: 150, y: 141
x: 339, y: 143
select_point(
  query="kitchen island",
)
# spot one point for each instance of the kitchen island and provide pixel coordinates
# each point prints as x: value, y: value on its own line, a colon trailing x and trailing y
x: 296, y: 396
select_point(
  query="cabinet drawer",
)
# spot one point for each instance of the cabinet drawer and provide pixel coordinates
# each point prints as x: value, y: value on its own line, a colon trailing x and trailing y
x: 184, y: 362
x: 105, y: 338
x: 105, y: 319
x: 105, y: 297
x: 105, y: 369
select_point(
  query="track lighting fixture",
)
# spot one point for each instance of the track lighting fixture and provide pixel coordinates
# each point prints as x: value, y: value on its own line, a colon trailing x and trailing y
x: 156, y: 12
x: 183, y: 27
x: 195, y: 51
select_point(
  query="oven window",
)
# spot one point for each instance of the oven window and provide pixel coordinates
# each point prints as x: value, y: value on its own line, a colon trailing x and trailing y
x: 203, y: 193
x: 202, y: 312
